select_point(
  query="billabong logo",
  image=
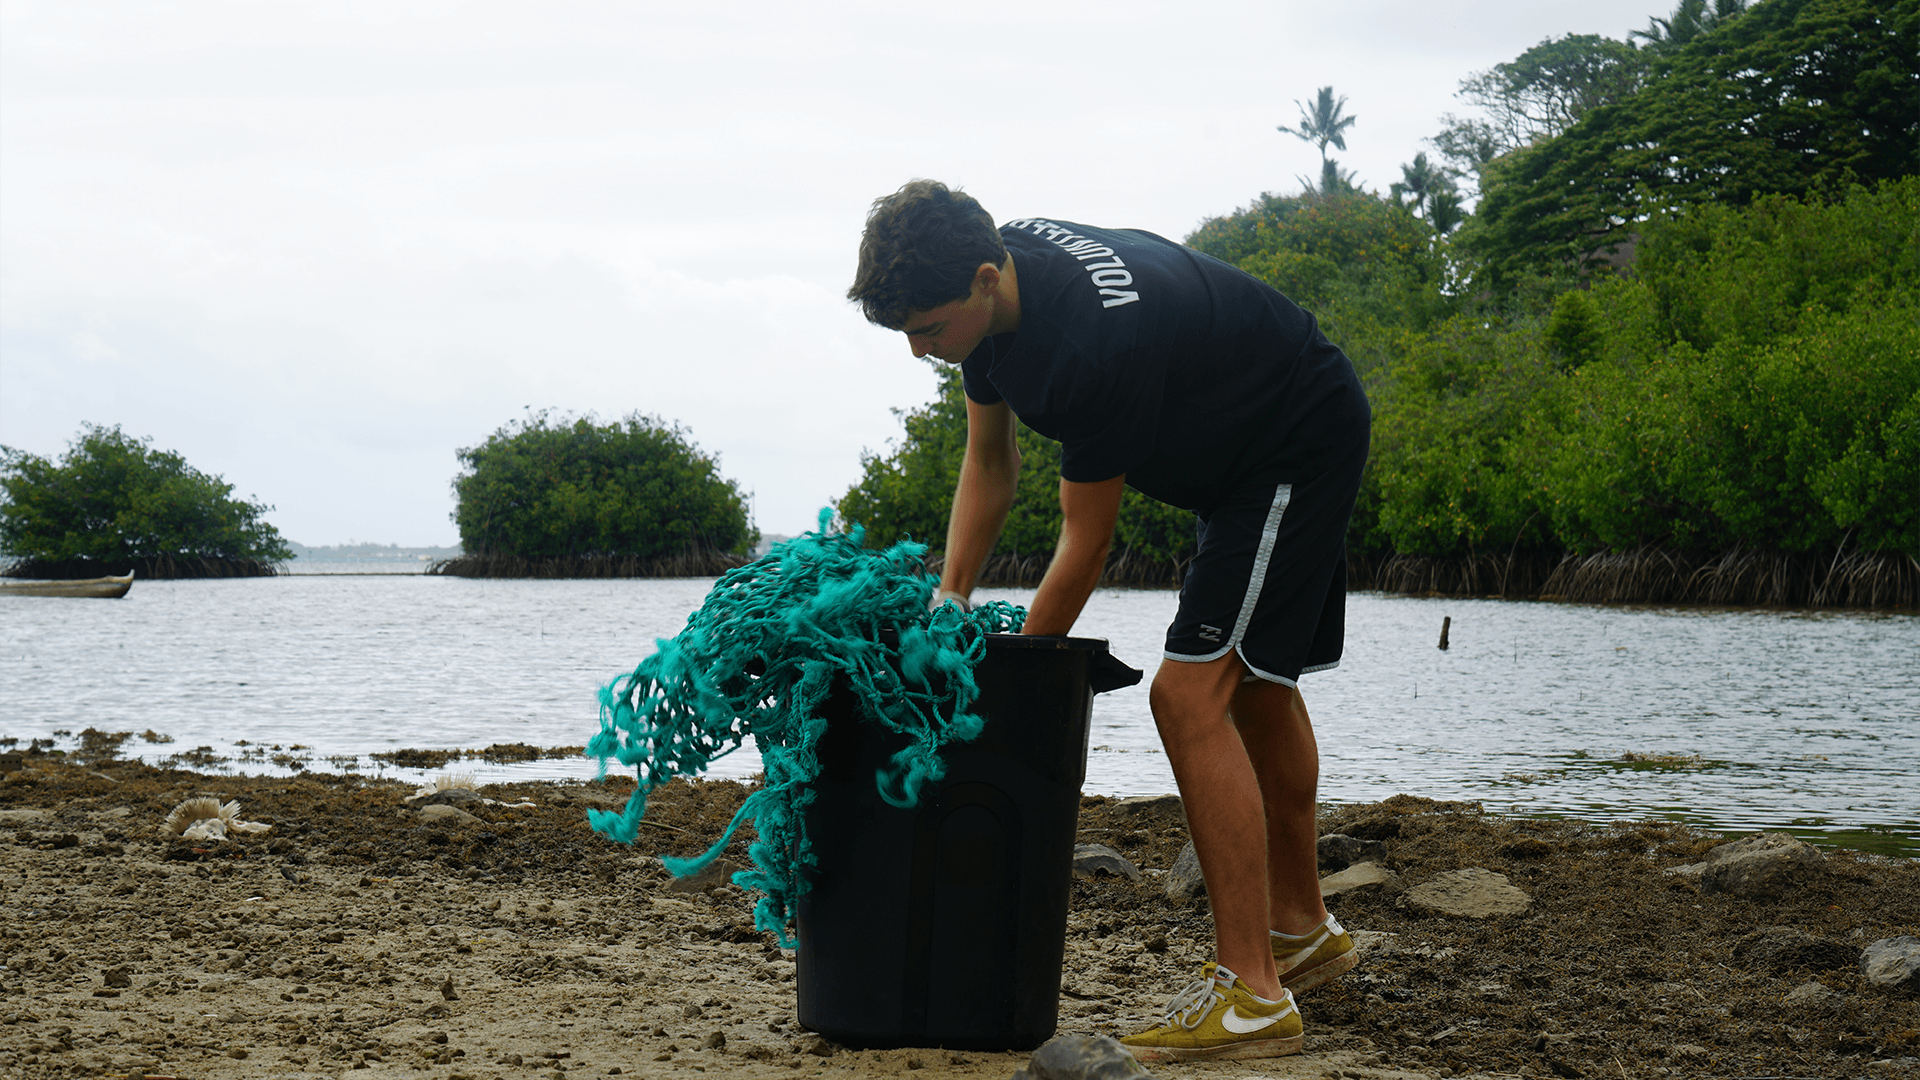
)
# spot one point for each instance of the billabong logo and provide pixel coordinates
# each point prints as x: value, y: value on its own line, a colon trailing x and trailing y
x: 1210, y: 633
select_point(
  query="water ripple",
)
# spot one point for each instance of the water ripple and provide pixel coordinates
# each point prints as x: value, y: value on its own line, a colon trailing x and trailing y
x: 1736, y: 719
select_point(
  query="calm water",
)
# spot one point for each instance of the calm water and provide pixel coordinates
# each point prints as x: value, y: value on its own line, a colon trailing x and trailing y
x: 1752, y: 719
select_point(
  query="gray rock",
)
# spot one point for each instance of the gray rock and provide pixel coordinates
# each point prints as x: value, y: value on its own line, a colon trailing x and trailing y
x: 1893, y: 962
x: 1562, y: 1041
x: 1339, y: 851
x: 1356, y: 878
x: 1151, y: 806
x: 1082, y: 1057
x: 1472, y: 893
x: 1092, y: 860
x: 1369, y: 943
x: 1813, y: 997
x: 453, y: 796
x: 1759, y: 867
x: 1690, y: 871
x: 1783, y: 949
x: 1184, y: 881
x: 448, y: 815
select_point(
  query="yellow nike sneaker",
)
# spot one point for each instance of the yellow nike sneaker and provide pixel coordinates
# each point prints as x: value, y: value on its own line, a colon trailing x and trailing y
x: 1315, y: 957
x: 1218, y: 1018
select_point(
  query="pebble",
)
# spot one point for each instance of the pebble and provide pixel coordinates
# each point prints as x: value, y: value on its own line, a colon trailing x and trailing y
x: 1183, y: 880
x: 1080, y: 1057
x: 1893, y: 962
x: 1812, y: 995
x: 1337, y: 851
x: 1092, y: 860
x: 1145, y: 805
x: 1473, y: 893
x: 1759, y: 867
x: 1354, y: 878
x: 449, y: 815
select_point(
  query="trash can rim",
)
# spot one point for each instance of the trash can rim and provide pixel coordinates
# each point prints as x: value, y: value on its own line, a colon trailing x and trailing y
x: 1108, y: 672
x: 1046, y: 641
x: 891, y: 636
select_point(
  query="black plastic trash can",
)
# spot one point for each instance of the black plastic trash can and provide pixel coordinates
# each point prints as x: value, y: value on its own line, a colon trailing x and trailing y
x: 945, y: 925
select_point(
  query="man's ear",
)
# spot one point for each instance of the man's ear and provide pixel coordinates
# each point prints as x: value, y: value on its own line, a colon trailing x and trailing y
x: 987, y: 278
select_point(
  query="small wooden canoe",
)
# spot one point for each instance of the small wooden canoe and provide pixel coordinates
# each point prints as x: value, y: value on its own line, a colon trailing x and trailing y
x: 109, y: 588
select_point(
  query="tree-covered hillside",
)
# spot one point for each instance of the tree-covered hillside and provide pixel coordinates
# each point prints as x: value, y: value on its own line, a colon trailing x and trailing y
x: 1790, y: 97
x: 1672, y: 353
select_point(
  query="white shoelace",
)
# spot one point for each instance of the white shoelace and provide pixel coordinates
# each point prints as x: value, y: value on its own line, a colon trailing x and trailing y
x: 1190, y: 1006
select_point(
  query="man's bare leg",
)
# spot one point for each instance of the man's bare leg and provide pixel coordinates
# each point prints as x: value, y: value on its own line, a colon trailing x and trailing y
x: 1274, y: 727
x: 1225, y: 810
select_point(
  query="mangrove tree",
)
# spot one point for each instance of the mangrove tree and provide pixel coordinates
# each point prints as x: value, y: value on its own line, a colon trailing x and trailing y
x: 559, y: 497
x: 113, y: 504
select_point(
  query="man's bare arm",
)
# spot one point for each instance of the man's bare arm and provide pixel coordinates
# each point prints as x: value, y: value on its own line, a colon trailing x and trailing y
x: 1087, y: 513
x: 988, y: 475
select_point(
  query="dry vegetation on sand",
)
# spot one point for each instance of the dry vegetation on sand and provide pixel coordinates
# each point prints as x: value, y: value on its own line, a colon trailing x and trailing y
x: 356, y: 938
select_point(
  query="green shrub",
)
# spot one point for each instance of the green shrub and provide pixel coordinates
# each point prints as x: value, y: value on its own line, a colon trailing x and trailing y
x: 545, y: 489
x: 112, y: 502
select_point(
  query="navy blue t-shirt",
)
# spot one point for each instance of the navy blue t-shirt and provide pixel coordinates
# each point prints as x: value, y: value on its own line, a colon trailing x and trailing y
x: 1144, y: 357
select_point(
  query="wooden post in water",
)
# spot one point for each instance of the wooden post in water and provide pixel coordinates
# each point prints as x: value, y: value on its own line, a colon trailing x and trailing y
x: 1445, y: 622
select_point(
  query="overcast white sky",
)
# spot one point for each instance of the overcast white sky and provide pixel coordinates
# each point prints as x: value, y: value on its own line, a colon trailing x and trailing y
x: 316, y: 247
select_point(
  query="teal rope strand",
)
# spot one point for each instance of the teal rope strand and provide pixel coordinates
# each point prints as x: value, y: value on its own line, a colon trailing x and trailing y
x: 760, y: 657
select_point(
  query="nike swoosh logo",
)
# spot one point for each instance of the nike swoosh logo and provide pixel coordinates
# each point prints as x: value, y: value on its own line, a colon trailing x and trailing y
x: 1299, y: 956
x: 1245, y: 1025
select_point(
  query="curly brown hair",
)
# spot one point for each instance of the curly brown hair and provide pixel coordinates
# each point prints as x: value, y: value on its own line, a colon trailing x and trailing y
x: 921, y: 248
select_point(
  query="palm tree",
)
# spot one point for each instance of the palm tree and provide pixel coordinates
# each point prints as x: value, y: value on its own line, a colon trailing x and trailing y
x: 1689, y: 20
x: 1445, y: 211
x: 1435, y: 196
x: 1323, y: 123
x: 1422, y: 180
x: 1333, y: 179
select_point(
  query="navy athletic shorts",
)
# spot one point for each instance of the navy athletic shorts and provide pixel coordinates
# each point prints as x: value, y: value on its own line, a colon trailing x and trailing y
x: 1270, y: 578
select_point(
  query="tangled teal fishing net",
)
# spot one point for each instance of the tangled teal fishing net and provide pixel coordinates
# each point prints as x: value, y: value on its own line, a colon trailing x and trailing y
x: 760, y: 657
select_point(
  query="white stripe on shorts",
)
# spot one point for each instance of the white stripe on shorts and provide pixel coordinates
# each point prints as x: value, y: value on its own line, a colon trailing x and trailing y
x: 1256, y: 580
x: 1269, y: 536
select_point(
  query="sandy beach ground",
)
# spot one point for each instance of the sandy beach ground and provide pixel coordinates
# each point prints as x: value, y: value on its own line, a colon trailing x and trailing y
x: 357, y: 937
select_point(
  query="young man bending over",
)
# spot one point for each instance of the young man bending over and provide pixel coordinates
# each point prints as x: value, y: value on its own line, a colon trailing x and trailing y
x: 1199, y: 385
